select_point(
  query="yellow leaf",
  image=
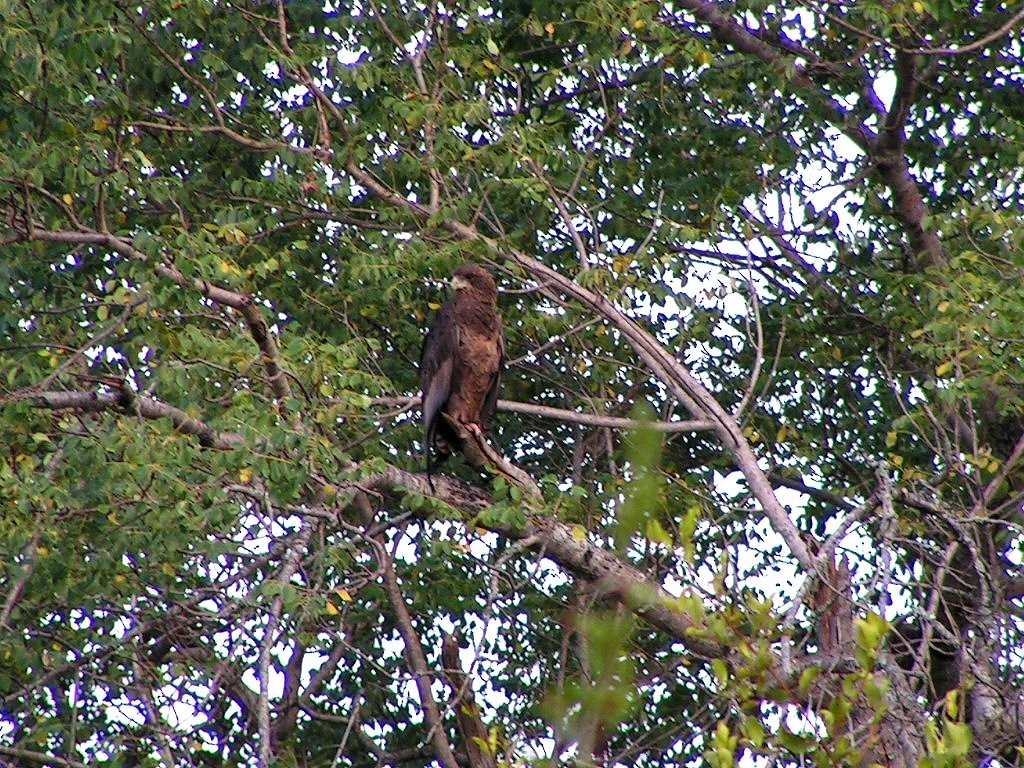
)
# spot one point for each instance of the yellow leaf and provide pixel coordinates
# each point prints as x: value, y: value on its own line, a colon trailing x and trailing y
x: 100, y: 124
x: 549, y: 28
x: 167, y: 569
x: 890, y: 439
x: 917, y: 334
x: 330, y: 490
x: 918, y: 7
x: 952, y: 705
x: 780, y: 436
x: 433, y: 305
x: 579, y: 532
x: 67, y: 198
x: 343, y: 594
x: 331, y: 609
x: 837, y: 353
x: 120, y: 579
x: 656, y: 532
x: 993, y: 466
x: 245, y: 474
x: 944, y: 368
x: 42, y: 551
x: 943, y: 306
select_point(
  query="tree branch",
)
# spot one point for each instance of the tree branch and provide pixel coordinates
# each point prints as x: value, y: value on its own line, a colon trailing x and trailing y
x: 572, y: 417
x: 981, y: 42
x: 467, y: 712
x: 908, y: 204
x: 41, y: 758
x: 561, y: 543
x: 292, y: 560
x: 126, y: 401
x: 413, y: 648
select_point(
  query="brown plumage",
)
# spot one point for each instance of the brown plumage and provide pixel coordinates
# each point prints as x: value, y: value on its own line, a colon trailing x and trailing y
x: 461, y: 361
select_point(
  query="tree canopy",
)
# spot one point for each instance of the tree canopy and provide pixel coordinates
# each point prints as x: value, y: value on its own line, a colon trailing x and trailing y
x: 760, y: 269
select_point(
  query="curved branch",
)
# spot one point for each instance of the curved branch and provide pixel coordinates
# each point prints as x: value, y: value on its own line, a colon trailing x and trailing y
x: 981, y: 42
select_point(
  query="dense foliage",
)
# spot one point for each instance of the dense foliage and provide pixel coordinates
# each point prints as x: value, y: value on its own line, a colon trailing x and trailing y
x: 761, y: 271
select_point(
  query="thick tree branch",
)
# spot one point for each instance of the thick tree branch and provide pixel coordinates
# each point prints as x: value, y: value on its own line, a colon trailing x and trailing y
x: 467, y: 712
x: 613, y: 576
x: 908, y: 204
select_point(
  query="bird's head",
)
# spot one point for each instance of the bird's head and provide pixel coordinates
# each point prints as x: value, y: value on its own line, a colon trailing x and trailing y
x: 470, y: 277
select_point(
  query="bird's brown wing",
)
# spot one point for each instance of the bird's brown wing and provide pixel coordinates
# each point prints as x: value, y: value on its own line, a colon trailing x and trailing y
x: 490, y: 405
x: 437, y: 362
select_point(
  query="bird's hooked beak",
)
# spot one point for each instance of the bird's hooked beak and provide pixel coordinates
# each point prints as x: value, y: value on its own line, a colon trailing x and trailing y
x: 458, y: 282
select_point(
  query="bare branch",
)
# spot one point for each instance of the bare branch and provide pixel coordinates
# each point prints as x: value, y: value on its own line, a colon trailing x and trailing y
x: 563, y: 213
x: 221, y: 130
x: 572, y: 417
x: 467, y: 712
x: 561, y: 543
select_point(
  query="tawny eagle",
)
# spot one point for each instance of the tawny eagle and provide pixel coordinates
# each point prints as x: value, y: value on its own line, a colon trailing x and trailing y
x: 460, y: 363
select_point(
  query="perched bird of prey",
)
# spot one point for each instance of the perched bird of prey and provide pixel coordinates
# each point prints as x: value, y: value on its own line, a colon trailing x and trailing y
x: 460, y: 363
